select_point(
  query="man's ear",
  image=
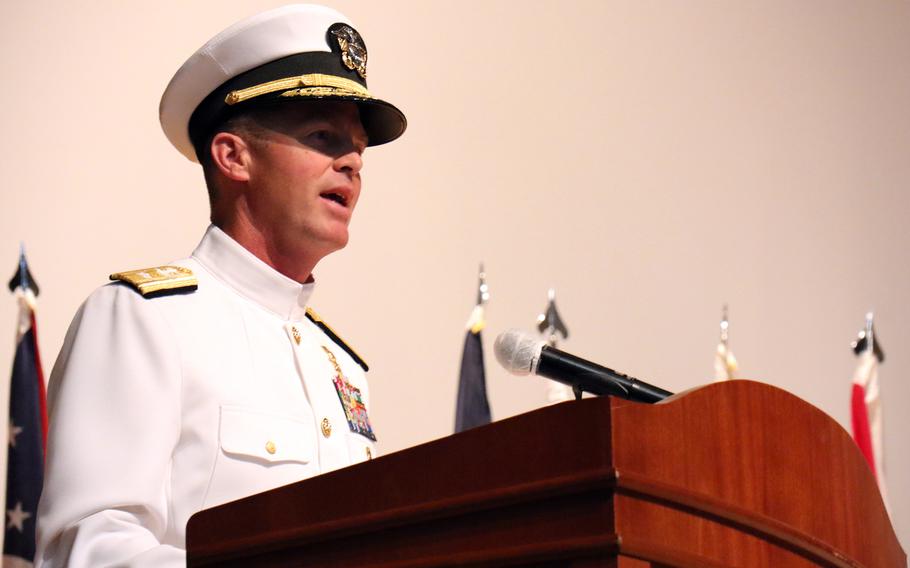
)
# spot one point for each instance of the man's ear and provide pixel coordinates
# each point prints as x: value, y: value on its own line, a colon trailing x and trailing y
x: 231, y: 156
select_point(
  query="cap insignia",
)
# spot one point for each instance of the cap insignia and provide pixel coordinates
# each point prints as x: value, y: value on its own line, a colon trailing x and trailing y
x: 353, y: 50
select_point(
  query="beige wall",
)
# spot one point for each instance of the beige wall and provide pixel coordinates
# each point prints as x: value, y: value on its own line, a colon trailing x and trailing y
x: 651, y: 160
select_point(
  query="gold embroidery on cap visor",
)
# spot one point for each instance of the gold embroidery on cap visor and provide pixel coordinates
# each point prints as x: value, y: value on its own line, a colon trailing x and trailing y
x: 312, y: 85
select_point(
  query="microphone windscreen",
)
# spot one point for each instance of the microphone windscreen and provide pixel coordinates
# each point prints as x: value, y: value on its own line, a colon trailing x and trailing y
x: 517, y: 351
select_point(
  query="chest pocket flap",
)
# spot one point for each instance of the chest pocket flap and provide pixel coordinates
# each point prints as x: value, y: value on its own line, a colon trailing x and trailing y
x: 265, y: 437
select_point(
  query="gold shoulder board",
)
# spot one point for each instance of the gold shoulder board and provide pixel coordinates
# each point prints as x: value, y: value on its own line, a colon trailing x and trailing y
x: 158, y: 281
x: 314, y: 317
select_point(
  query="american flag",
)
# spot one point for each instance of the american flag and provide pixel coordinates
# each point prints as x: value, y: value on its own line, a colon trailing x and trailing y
x: 27, y: 429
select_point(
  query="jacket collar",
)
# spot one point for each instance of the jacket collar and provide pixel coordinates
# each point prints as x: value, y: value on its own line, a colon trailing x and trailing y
x: 237, y: 267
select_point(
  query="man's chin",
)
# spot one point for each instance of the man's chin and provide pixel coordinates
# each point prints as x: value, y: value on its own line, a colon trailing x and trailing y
x: 335, y: 242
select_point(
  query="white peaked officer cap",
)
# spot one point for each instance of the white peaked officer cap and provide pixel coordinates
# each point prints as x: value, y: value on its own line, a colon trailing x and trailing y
x: 300, y: 52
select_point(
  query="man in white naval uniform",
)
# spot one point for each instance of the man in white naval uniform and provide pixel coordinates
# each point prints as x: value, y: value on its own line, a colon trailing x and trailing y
x: 186, y: 386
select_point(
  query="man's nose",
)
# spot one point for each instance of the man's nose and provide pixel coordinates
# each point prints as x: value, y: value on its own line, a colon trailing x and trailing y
x: 350, y: 162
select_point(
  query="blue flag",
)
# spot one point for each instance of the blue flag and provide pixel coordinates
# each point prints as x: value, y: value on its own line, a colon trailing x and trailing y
x: 472, y: 408
x: 27, y: 433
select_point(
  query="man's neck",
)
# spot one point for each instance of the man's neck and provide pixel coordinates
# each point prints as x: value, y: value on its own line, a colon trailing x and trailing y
x: 295, y: 264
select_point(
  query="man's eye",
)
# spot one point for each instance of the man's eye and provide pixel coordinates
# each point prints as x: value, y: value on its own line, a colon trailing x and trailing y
x: 331, y: 141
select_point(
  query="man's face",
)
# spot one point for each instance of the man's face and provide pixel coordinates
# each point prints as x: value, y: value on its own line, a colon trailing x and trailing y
x: 305, y: 176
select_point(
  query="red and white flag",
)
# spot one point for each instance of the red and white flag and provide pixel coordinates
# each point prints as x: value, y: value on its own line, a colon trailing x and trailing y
x: 866, y: 411
x: 725, y: 366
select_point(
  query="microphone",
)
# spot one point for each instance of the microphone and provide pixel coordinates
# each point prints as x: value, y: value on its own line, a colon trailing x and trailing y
x: 521, y: 354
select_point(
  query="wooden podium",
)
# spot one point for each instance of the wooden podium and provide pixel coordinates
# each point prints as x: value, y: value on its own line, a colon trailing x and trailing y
x: 731, y: 474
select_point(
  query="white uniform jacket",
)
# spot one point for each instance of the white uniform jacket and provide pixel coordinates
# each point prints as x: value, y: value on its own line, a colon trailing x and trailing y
x: 160, y: 407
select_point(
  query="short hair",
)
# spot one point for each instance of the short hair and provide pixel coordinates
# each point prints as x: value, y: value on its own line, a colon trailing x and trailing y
x: 234, y: 125
x: 247, y: 125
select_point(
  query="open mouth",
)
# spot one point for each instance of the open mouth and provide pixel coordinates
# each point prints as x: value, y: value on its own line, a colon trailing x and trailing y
x: 336, y: 197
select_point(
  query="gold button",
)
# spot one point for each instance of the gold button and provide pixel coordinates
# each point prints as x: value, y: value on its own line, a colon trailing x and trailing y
x: 296, y: 335
x: 326, y: 427
x: 270, y: 447
x: 369, y: 454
